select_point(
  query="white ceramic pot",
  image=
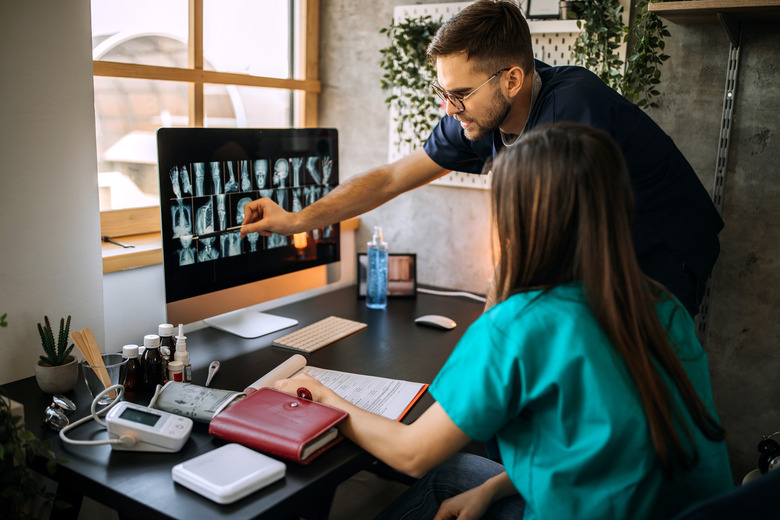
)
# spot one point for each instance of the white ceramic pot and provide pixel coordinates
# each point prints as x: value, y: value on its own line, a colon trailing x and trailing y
x: 59, y: 379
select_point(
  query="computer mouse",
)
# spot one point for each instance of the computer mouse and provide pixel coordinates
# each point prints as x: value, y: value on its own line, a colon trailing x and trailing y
x: 436, y: 321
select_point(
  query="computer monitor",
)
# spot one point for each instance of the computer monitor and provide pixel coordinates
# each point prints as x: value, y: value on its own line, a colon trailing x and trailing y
x: 207, y: 175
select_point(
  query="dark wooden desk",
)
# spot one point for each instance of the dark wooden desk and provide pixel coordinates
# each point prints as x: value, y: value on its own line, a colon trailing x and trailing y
x: 139, y: 485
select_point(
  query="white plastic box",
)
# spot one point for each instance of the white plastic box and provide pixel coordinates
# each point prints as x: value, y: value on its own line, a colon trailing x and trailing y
x: 228, y: 473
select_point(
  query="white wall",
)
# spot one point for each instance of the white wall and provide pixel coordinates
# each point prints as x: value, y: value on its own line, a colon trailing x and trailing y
x: 49, y: 227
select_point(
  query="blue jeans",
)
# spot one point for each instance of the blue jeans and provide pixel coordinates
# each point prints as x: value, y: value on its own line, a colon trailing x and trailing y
x: 462, y: 472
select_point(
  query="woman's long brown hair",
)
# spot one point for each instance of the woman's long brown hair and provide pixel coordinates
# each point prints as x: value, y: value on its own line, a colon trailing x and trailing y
x: 563, y: 211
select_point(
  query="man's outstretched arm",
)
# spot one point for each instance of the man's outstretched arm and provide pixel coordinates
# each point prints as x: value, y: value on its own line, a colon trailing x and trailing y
x: 359, y: 194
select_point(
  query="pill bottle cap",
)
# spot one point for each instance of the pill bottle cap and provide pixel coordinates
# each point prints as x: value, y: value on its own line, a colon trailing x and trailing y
x: 131, y: 351
x: 175, y: 366
x: 165, y: 329
x: 151, y: 341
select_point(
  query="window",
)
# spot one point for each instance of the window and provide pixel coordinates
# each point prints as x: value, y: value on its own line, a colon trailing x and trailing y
x: 218, y: 63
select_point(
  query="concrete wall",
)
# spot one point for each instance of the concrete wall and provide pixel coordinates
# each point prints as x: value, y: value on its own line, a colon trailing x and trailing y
x: 445, y: 226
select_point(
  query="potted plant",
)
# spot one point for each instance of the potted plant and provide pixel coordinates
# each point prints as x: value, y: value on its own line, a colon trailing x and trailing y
x: 57, y: 371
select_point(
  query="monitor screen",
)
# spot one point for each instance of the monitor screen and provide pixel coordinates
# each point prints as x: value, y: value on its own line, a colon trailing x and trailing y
x: 207, y: 175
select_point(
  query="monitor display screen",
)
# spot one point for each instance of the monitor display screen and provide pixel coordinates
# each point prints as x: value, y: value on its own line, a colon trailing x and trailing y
x: 207, y: 175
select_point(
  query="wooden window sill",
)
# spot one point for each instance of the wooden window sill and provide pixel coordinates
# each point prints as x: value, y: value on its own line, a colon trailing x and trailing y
x: 148, y: 249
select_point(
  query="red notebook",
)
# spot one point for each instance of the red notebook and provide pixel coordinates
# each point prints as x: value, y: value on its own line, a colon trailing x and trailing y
x: 280, y: 424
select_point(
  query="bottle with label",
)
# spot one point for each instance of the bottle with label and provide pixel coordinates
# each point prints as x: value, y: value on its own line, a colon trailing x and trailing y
x: 182, y: 355
x: 176, y: 371
x: 135, y: 375
x: 376, y: 274
x: 167, y: 346
x: 153, y: 375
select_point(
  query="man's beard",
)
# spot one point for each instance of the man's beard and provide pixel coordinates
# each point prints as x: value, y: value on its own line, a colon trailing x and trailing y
x: 494, y: 118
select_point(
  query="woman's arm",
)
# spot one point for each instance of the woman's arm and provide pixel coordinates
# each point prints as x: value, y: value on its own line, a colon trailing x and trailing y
x: 412, y: 449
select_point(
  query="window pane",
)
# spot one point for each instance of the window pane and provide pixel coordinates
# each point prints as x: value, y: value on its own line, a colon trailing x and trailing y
x: 241, y: 107
x: 128, y: 113
x: 249, y: 36
x: 152, y: 26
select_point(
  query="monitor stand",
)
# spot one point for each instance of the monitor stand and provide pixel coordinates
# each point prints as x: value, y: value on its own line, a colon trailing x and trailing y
x: 248, y: 324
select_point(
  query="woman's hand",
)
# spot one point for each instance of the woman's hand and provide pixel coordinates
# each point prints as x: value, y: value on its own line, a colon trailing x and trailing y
x: 318, y: 390
x: 472, y: 504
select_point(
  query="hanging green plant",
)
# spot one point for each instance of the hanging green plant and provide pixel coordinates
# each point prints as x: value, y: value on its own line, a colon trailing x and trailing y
x: 408, y: 76
x: 603, y: 32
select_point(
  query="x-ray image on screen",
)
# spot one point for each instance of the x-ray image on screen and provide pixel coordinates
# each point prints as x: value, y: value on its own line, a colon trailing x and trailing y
x: 181, y: 217
x: 261, y: 174
x: 186, y: 253
x: 204, y: 215
x: 296, y: 162
x: 199, y: 173
x: 282, y: 197
x: 281, y: 172
x: 207, y: 250
x: 231, y: 184
x: 221, y: 213
x: 311, y: 194
x: 297, y: 197
x: 327, y: 169
x: 238, y: 209
x: 186, y: 183
x: 207, y: 184
x: 230, y: 244
x: 313, y: 171
x: 215, y: 169
x: 246, y: 181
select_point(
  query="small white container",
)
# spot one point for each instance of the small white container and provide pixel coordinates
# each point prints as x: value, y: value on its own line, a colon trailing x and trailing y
x: 228, y: 473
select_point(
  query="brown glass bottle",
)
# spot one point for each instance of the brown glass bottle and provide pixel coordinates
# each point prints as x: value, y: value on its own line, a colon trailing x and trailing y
x: 152, y: 364
x: 135, y: 376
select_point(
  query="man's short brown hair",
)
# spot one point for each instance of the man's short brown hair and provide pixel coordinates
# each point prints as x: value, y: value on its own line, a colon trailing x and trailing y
x: 492, y: 32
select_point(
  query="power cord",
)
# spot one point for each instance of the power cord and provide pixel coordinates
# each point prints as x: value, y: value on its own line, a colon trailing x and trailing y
x: 124, y: 440
x: 453, y: 293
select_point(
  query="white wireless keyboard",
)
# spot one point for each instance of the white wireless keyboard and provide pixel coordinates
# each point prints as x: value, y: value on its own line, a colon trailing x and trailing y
x: 319, y: 334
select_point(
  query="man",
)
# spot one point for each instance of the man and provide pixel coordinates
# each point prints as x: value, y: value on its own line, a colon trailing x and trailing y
x: 493, y: 91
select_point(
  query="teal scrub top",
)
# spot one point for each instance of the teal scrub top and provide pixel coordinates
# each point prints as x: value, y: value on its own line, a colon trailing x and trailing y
x: 537, y: 373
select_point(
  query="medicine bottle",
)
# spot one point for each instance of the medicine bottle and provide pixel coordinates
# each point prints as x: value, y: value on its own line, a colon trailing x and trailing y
x: 376, y: 274
x: 167, y: 345
x: 153, y: 375
x: 135, y: 375
x: 176, y: 371
x: 182, y: 355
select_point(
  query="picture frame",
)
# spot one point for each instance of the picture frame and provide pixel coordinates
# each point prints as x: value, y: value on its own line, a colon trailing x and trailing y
x: 543, y: 9
x: 401, y: 279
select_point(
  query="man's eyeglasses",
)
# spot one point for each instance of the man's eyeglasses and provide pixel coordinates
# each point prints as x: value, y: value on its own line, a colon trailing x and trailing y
x: 455, y: 99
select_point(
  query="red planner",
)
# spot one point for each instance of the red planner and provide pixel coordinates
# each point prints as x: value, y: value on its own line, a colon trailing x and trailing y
x: 280, y: 424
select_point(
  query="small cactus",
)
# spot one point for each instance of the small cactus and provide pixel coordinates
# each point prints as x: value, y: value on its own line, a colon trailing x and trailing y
x: 56, y: 353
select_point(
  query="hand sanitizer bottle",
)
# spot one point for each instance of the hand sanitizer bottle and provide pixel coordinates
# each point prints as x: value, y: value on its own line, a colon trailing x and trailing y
x: 376, y: 278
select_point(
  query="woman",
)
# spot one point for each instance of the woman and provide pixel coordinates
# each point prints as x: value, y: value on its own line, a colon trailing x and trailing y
x: 587, y: 373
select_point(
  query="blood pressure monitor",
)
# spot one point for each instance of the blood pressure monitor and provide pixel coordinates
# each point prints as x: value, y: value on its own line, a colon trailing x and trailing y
x: 152, y: 430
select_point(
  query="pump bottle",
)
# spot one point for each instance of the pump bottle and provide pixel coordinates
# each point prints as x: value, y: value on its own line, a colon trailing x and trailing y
x: 376, y: 278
